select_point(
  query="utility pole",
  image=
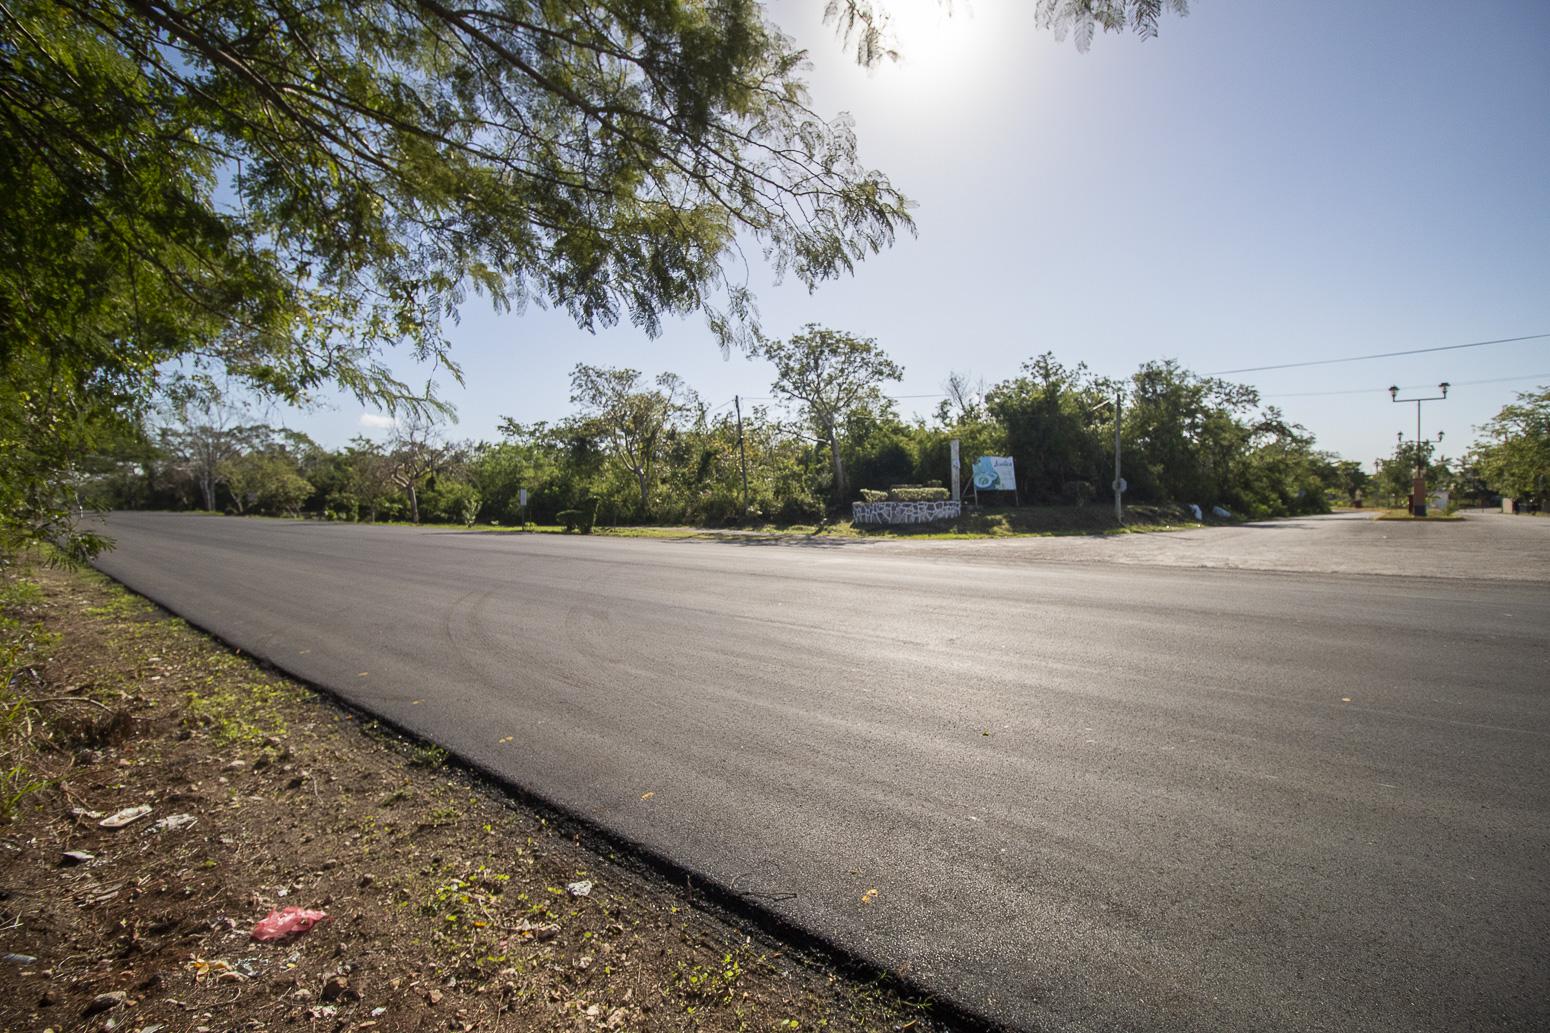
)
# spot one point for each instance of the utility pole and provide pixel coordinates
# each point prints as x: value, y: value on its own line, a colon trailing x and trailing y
x: 1418, y: 484
x: 1119, y: 482
x: 742, y: 455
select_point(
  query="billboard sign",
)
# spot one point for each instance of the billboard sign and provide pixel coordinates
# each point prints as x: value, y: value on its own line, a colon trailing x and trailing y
x: 994, y: 473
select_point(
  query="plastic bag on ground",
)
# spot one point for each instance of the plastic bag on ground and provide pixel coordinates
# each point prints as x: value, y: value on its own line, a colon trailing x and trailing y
x: 291, y: 921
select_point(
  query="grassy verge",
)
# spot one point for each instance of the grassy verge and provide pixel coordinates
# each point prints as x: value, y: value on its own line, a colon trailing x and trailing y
x: 1009, y: 522
x: 1432, y: 516
x: 451, y: 907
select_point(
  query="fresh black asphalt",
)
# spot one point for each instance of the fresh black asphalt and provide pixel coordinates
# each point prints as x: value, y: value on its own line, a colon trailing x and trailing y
x: 1088, y: 796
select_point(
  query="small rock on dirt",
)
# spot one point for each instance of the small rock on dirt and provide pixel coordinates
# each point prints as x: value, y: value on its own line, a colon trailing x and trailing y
x: 105, y: 1002
x: 579, y: 889
x: 72, y: 857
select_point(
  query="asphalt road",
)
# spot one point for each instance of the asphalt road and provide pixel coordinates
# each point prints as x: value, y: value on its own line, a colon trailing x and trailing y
x: 1089, y: 795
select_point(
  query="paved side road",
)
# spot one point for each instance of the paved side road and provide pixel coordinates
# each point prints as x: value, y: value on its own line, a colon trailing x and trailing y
x: 1095, y: 796
x: 1483, y: 545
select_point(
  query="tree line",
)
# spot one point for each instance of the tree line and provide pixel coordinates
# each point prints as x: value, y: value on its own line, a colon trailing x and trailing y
x: 642, y: 448
x: 258, y: 193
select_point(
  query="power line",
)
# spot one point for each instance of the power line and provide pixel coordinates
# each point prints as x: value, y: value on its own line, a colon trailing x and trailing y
x: 1405, y: 387
x: 1378, y: 355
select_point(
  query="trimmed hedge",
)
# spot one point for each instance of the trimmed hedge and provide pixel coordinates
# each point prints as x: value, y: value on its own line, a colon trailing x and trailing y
x: 873, y: 495
x: 919, y: 495
x: 579, y: 519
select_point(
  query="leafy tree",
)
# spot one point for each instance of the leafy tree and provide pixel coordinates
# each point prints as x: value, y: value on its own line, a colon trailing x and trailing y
x: 1182, y: 432
x: 1055, y: 419
x: 452, y: 501
x: 1515, y: 458
x: 416, y: 452
x: 369, y: 479
x: 265, y: 482
x: 1397, y: 472
x: 831, y: 374
x: 206, y: 437
x: 1344, y: 480
x: 865, y: 22
x: 275, y: 193
x: 632, y: 418
x: 50, y: 427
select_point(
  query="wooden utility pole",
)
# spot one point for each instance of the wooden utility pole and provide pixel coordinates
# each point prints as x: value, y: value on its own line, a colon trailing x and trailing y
x: 742, y: 454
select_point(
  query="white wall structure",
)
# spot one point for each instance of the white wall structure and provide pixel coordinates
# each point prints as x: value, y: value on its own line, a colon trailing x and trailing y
x: 881, y: 513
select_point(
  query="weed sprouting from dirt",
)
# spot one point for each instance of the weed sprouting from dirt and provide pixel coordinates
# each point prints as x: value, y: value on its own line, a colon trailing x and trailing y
x: 24, y: 644
x: 239, y: 712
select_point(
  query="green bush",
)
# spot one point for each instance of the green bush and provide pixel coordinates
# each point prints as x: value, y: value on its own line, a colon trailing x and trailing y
x: 341, y: 505
x: 909, y: 493
x: 450, y: 502
x: 580, y: 520
x: 1078, y: 493
x: 872, y: 495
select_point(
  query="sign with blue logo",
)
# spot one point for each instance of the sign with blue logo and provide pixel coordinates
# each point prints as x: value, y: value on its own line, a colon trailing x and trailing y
x: 994, y: 473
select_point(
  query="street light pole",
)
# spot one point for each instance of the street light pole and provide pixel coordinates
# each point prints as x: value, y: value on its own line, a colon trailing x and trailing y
x: 1418, y: 485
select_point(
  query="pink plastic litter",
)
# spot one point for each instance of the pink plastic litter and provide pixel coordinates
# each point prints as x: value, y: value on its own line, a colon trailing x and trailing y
x: 291, y: 921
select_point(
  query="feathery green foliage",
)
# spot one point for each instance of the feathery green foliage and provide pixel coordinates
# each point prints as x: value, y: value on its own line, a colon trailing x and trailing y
x: 272, y: 194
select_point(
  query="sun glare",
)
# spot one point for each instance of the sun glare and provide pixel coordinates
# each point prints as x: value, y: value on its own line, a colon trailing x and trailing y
x: 931, y: 36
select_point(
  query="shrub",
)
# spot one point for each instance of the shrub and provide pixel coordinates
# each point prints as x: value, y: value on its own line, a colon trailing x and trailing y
x: 799, y: 509
x: 451, y: 502
x: 873, y: 495
x: 341, y: 505
x: 580, y: 520
x: 907, y: 493
x: 1078, y: 493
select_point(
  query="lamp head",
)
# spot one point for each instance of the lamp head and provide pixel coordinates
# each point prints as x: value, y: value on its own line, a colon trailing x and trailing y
x: 1444, y: 385
x: 1439, y: 435
x: 1394, y: 392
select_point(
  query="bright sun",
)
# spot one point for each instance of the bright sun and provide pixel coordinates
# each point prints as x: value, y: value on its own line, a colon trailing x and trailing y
x: 930, y: 35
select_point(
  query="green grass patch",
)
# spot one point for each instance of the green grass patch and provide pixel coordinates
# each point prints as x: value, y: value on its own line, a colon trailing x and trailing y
x: 239, y: 712
x: 1431, y: 517
x: 24, y: 644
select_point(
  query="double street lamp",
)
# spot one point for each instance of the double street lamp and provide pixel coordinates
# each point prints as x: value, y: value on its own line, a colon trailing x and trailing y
x: 1418, y: 483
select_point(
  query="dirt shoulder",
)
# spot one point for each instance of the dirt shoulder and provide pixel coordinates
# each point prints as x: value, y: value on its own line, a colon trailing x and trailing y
x: 450, y: 906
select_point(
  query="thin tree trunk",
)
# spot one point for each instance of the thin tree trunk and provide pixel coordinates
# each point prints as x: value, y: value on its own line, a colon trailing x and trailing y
x: 840, y: 491
x: 414, y: 505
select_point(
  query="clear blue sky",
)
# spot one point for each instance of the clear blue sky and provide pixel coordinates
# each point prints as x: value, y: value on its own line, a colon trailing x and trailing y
x: 1266, y: 182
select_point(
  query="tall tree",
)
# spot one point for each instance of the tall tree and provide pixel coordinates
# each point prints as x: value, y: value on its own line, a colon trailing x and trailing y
x: 206, y: 435
x: 277, y: 192
x: 632, y: 417
x: 416, y: 452
x: 1054, y: 418
x: 1515, y: 457
x: 830, y: 374
x: 1182, y: 431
